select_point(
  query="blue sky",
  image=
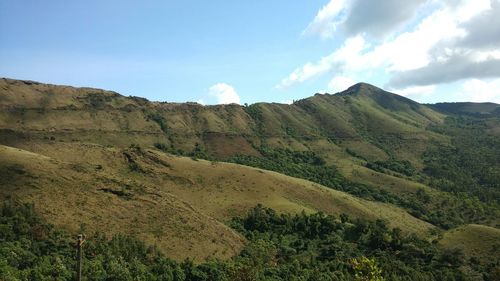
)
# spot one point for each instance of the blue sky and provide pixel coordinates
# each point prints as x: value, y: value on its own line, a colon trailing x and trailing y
x: 250, y: 51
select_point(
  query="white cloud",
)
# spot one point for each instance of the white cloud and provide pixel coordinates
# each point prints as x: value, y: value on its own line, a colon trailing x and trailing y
x: 449, y: 54
x: 467, y: 9
x: 308, y: 71
x: 411, y: 50
x: 476, y: 90
x: 415, y: 91
x: 483, y: 27
x: 223, y: 93
x: 326, y: 20
x: 373, y: 18
x: 452, y: 69
x: 340, y: 83
x: 407, y: 51
x: 379, y: 18
x: 348, y: 52
x: 451, y: 41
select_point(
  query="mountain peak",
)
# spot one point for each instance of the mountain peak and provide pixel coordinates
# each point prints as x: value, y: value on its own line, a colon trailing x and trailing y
x: 385, y: 99
x: 361, y: 88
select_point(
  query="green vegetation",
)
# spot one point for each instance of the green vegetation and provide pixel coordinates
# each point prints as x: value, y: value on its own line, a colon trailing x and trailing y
x: 468, y: 168
x: 97, y: 100
x: 33, y: 250
x: 446, y: 210
x: 169, y: 149
x: 471, y: 164
x: 197, y: 152
x: 310, y: 166
x: 255, y: 112
x: 342, y: 249
x: 160, y: 120
x: 442, y: 167
x: 476, y: 241
x: 280, y: 247
x: 469, y: 108
x: 354, y: 154
x: 403, y: 167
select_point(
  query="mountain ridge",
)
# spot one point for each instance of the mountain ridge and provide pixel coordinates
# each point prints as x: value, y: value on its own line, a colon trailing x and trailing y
x: 377, y: 147
x: 353, y: 89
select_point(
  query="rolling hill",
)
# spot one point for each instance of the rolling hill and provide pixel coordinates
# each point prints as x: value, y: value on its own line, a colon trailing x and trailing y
x: 479, y: 241
x: 176, y: 203
x: 94, y: 159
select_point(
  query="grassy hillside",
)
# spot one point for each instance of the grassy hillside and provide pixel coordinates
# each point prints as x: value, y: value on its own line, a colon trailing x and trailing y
x: 173, y: 202
x: 113, y: 161
x: 479, y: 241
x: 76, y: 196
x: 360, y: 115
x: 478, y: 244
x: 364, y: 121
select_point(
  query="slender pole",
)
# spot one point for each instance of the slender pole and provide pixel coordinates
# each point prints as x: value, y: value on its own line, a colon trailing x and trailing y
x: 79, y: 244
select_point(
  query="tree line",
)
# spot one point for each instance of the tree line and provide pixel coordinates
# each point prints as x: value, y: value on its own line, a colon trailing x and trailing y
x: 279, y: 247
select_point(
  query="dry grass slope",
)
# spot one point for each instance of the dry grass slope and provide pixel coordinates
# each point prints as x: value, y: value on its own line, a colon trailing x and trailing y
x: 174, y: 202
x: 480, y: 241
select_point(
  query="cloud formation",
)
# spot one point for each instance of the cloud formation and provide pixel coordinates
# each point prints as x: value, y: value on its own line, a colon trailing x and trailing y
x: 450, y: 70
x: 449, y: 41
x: 327, y: 19
x: 373, y: 18
x: 349, y: 51
x: 471, y: 55
x: 483, y: 31
x: 476, y: 90
x: 378, y: 18
x: 417, y: 92
x: 224, y: 93
x: 340, y: 83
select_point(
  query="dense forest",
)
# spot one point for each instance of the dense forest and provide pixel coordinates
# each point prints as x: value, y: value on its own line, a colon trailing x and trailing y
x: 280, y: 247
x: 471, y: 164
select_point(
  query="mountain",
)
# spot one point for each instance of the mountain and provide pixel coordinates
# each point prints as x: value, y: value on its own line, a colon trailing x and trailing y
x: 369, y: 125
x: 468, y: 108
x: 66, y: 112
x: 95, y: 160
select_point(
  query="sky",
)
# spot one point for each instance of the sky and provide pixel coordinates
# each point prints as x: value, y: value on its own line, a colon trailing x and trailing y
x: 218, y: 51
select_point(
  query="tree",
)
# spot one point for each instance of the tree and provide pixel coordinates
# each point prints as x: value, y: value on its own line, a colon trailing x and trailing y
x: 366, y: 269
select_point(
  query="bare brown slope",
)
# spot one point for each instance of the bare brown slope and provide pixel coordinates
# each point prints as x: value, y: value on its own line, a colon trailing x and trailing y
x: 174, y: 202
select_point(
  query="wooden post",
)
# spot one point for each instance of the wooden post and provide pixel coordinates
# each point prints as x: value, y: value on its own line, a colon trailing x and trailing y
x: 79, y: 243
